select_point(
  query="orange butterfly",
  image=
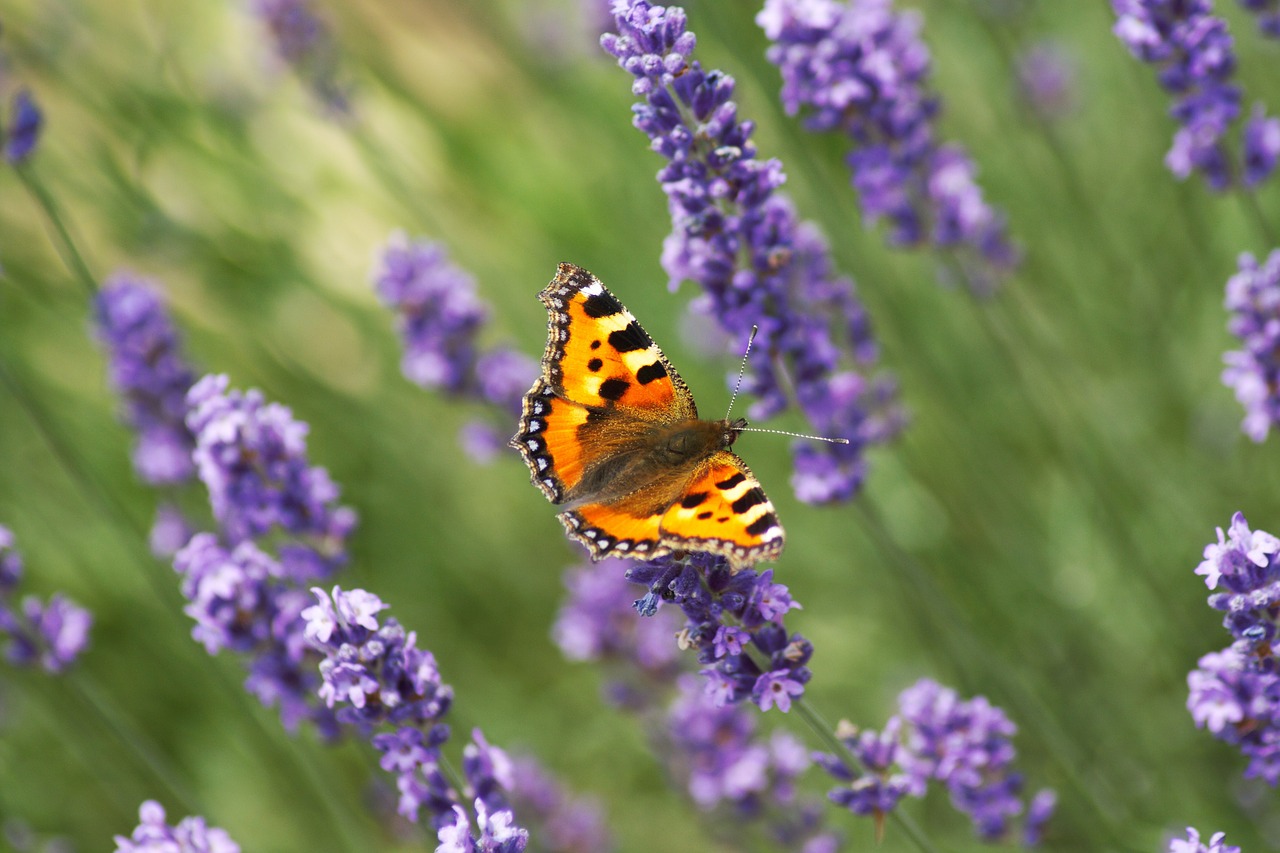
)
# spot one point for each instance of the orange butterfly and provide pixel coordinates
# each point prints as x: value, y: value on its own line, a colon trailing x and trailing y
x: 611, y: 434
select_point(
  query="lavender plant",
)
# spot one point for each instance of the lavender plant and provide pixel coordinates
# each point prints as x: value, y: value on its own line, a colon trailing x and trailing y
x: 861, y: 70
x: 1268, y: 14
x: 727, y: 766
x: 303, y: 43
x: 440, y: 317
x: 936, y: 736
x: 52, y: 633
x: 378, y: 679
x: 1193, y: 843
x: 738, y: 237
x: 1235, y: 693
x: 22, y: 130
x: 1195, y: 58
x: 1253, y: 372
x: 189, y: 835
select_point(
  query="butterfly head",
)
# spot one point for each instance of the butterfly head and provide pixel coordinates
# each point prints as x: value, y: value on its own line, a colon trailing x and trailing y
x: 731, y: 430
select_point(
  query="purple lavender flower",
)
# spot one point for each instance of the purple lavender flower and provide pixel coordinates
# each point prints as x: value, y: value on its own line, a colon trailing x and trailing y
x: 440, y: 317
x: 52, y: 633
x: 252, y: 457
x: 148, y: 370
x: 1193, y: 844
x: 938, y: 737
x: 1235, y: 693
x: 497, y: 832
x: 1239, y: 702
x: 1195, y: 56
x: 1253, y: 304
x: 377, y: 678
x: 598, y: 622
x: 722, y: 611
x: 1047, y: 80
x: 243, y: 600
x: 1268, y: 15
x: 23, y: 130
x: 567, y: 825
x: 738, y: 237
x: 1261, y: 146
x: 305, y: 44
x: 860, y: 69
x: 189, y: 835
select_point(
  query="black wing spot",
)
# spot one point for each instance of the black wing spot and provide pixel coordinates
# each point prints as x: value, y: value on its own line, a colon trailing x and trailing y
x: 602, y: 305
x: 752, y: 498
x: 651, y: 372
x: 594, y: 364
x: 630, y: 338
x: 613, y: 389
x: 703, y: 516
x: 693, y: 499
x: 595, y: 345
x: 737, y: 478
x: 763, y: 523
x: 722, y: 519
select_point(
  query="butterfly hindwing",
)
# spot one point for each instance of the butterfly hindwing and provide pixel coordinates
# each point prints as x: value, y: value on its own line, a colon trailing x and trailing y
x: 724, y: 510
x: 549, y: 440
x: 599, y: 355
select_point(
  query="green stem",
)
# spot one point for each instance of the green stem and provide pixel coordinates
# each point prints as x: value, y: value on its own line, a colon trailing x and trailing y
x: 62, y: 242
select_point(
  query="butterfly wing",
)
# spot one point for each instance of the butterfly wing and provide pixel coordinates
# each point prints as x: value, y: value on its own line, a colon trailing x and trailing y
x: 603, y: 380
x: 720, y: 510
x: 598, y: 355
x: 723, y: 510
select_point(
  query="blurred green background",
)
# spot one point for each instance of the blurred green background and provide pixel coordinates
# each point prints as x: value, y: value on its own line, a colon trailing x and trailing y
x: 1031, y: 537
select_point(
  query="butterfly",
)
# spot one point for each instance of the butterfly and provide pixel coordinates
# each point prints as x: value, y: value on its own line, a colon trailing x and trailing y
x: 611, y: 434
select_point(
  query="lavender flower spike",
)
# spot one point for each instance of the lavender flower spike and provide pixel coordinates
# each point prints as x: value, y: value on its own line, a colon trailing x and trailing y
x: 936, y: 736
x: 1235, y: 693
x: 1193, y: 844
x: 189, y: 835
x: 149, y: 371
x: 738, y: 237
x: 379, y: 680
x: 304, y: 44
x: 23, y: 130
x: 1195, y: 56
x: 440, y: 317
x: 1268, y: 15
x: 1253, y: 372
x: 52, y: 633
x: 860, y: 69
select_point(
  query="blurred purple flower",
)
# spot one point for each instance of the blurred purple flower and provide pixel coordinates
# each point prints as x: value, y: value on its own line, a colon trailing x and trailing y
x: 860, y: 69
x: 1268, y: 15
x: 1047, y: 79
x: 1253, y: 305
x: 1193, y: 844
x: 567, y: 825
x: 51, y: 633
x: 189, y: 835
x: 440, y: 316
x: 147, y: 368
x: 936, y: 736
x: 304, y: 43
x: 1195, y: 56
x: 739, y: 238
x: 22, y: 131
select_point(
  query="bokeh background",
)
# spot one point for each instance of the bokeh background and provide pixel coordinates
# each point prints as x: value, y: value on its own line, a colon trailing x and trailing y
x: 1031, y: 537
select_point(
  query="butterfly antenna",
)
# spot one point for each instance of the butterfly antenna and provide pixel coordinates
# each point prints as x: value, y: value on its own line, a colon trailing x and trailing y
x: 796, y: 435
x: 741, y: 370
